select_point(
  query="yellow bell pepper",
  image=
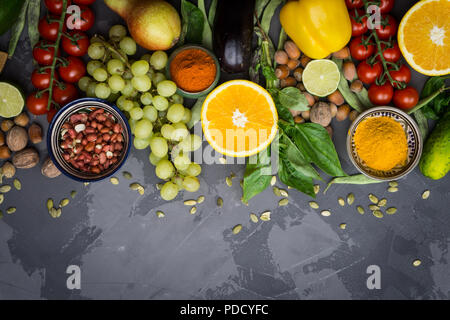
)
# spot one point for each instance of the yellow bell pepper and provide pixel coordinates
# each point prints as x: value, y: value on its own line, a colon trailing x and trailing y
x: 318, y: 27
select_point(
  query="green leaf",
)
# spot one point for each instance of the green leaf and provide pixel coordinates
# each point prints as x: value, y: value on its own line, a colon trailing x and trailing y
x: 193, y: 22
x: 212, y: 13
x: 422, y: 123
x: 283, y: 112
x: 257, y: 175
x: 207, y: 32
x: 355, y: 179
x: 437, y: 106
x: 196, y: 111
x: 259, y: 6
x: 17, y: 29
x: 268, y: 14
x: 34, y: 11
x: 290, y: 176
x: 293, y: 99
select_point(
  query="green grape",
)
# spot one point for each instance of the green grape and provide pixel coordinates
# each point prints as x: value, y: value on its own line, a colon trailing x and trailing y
x: 186, y: 116
x: 176, y: 98
x: 140, y: 143
x: 160, y: 103
x: 146, y: 98
x: 117, y: 32
x: 182, y: 162
x: 159, y: 146
x: 127, y: 75
x: 139, y: 68
x: 120, y: 55
x: 181, y: 131
x: 102, y: 91
x: 96, y: 50
x: 116, y: 83
x: 190, y: 143
x: 191, y: 184
x: 151, y: 74
x: 128, y: 45
x: 164, y: 169
x: 120, y: 101
x: 83, y: 83
x: 150, y: 113
x: 136, y: 104
x: 100, y: 74
x: 178, y: 180
x: 158, y: 77
x: 128, y: 89
x: 158, y: 60
x: 93, y: 65
x: 90, y: 91
x: 132, y: 124
x: 136, y: 113
x: 115, y: 66
x: 167, y: 131
x: 127, y: 105
x: 146, y: 57
x: 194, y: 169
x: 95, y: 39
x: 143, y: 129
x: 169, y: 191
x: 175, y: 113
x: 154, y: 159
x: 141, y: 83
x: 166, y: 88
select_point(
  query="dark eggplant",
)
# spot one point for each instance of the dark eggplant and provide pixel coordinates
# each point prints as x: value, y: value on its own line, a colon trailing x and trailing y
x: 233, y: 32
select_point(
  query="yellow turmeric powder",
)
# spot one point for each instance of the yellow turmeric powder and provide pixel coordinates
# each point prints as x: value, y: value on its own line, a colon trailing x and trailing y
x: 381, y: 143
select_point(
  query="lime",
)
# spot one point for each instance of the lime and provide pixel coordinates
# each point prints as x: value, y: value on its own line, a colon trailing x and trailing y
x: 321, y: 77
x: 11, y: 100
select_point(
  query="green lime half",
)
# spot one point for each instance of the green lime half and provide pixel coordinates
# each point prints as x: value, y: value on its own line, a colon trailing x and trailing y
x: 11, y: 100
x: 321, y: 77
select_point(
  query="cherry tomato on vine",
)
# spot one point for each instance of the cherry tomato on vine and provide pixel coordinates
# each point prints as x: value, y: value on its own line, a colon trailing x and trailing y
x: 352, y: 4
x: 403, y: 74
x: 358, y: 51
x: 87, y: 19
x: 391, y: 54
x: 42, y: 54
x: 55, y: 6
x: 63, y: 93
x: 84, y: 2
x: 389, y: 30
x: 406, y: 98
x: 78, y: 45
x: 41, y: 78
x: 51, y: 114
x: 386, y: 6
x: 48, y: 29
x: 73, y: 71
x: 381, y: 95
x: 37, y: 103
x: 358, y: 28
x: 369, y: 73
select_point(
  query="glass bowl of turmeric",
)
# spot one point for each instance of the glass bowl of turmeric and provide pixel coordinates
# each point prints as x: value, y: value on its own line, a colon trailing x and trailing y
x: 194, y: 69
x: 384, y: 143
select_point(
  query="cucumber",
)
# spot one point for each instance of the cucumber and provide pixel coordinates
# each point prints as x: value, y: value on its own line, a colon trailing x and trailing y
x: 435, y: 161
x: 9, y: 11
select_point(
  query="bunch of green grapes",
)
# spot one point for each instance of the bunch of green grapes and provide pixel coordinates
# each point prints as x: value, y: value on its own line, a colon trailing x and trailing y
x: 155, y: 112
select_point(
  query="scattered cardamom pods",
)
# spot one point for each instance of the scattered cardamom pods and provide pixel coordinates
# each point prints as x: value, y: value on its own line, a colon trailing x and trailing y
x: 58, y: 212
x: 228, y: 181
x: 373, y: 199
x: 417, y: 263
x: 141, y: 190
x: 49, y: 204
x: 341, y: 201
x: 283, y: 202
x: 135, y: 186
x: 374, y: 207
x: 160, y: 214
x: 127, y: 175
x: 200, y: 199
x: 382, y: 202
x: 425, y: 194
x: 265, y: 216
x: 237, y: 229
x: 360, y: 209
x: 273, y: 180
x: 284, y: 193
x: 316, y: 189
x: 193, y: 210
x: 53, y: 212
x: 378, y: 214
x: 73, y: 194
x: 343, y: 226
x: 190, y: 203
x: 86, y: 184
x: 11, y: 210
x: 392, y: 189
x: 219, y: 202
x: 391, y: 210
x: 2, y: 198
x: 254, y: 217
x: 350, y: 198
x: 64, y: 202
x: 114, y: 180
x: 314, y: 205
x: 393, y: 184
x: 5, y: 188
x: 325, y: 213
x: 276, y: 191
x: 17, y: 184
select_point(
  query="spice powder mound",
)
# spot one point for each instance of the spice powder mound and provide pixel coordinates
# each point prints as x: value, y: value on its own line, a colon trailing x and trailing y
x: 193, y: 70
x: 381, y: 143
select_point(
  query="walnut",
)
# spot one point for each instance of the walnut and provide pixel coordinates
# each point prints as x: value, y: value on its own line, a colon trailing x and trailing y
x: 49, y: 169
x: 27, y: 158
x: 17, y: 138
x: 320, y: 113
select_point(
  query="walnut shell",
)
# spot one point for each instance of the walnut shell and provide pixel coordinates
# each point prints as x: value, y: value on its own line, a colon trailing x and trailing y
x: 320, y: 113
x: 27, y: 158
x: 17, y: 138
x: 49, y: 169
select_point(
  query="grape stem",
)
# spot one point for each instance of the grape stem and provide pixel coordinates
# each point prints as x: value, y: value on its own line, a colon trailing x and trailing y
x: 115, y: 51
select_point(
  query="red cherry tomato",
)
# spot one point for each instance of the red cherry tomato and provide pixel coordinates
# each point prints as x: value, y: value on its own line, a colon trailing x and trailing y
x: 406, y: 98
x: 389, y: 30
x: 403, y: 74
x: 51, y: 114
x: 359, y: 24
x: 381, y: 95
x: 37, y: 103
x: 42, y: 54
x: 63, y: 93
x: 78, y: 46
x: 386, y: 6
x: 73, y: 71
x: 352, y: 4
x: 87, y: 19
x: 369, y: 73
x: 55, y: 6
x: 41, y: 79
x: 84, y: 2
x: 359, y: 51
x: 391, y: 54
x: 48, y: 30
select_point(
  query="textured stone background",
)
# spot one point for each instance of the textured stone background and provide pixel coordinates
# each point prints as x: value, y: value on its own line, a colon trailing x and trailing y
x: 126, y: 252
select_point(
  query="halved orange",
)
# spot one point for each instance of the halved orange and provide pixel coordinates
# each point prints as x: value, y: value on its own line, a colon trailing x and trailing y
x: 424, y: 37
x: 239, y: 118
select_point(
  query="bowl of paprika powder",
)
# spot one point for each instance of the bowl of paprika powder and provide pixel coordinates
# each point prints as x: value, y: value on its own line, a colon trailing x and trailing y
x: 194, y: 69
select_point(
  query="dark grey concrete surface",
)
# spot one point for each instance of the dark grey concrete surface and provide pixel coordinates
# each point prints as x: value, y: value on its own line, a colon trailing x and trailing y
x: 126, y: 252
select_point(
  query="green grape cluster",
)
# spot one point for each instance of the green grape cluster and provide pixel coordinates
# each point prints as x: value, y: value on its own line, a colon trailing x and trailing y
x: 155, y: 111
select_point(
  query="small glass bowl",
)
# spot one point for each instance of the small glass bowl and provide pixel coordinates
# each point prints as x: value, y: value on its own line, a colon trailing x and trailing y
x: 53, y: 139
x: 194, y: 95
x: 413, y: 137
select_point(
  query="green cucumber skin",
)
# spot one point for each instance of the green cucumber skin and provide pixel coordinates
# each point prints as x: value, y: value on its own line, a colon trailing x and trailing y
x: 435, y: 161
x: 10, y: 10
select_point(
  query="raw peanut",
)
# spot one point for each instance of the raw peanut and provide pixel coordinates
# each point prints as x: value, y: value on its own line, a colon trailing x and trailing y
x: 305, y: 115
x: 282, y: 72
x: 66, y: 125
x: 310, y: 99
x: 353, y: 114
x: 106, y: 137
x: 298, y: 119
x: 93, y: 124
x: 89, y: 130
x: 100, y: 126
x: 104, y: 130
x: 344, y: 53
x: 336, y: 98
x: 304, y: 60
x: 84, y: 142
x: 293, y: 64
x: 288, y: 82
x: 333, y: 109
x: 120, y: 138
x: 298, y: 72
x: 99, y: 139
x: 291, y: 49
x: 22, y: 119
x: 6, y: 125
x: 5, y: 153
x: 72, y: 133
x: 342, y: 112
x: 349, y: 70
x: 108, y: 123
x: 356, y: 86
x: 118, y: 146
x: 102, y: 158
x: 95, y: 170
x: 100, y: 118
x: 90, y: 146
x: 117, y: 128
x: 91, y: 137
x: 281, y: 57
x: 66, y: 156
x: 35, y: 133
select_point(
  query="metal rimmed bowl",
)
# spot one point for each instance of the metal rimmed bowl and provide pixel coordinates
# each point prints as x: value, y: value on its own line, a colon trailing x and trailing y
x: 194, y: 95
x: 413, y: 137
x: 54, y: 138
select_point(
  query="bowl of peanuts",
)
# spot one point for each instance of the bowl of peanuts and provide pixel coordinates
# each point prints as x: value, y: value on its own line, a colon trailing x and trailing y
x: 89, y: 139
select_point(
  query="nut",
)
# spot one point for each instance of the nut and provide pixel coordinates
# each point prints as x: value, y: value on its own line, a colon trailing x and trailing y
x: 5, y: 153
x: 17, y: 138
x: 342, y: 112
x: 8, y: 170
x: 320, y: 113
x: 35, y: 133
x: 281, y: 57
x: 22, y: 119
x: 310, y: 99
x: 282, y: 72
x: 293, y: 64
x: 49, y: 169
x: 356, y: 86
x: 292, y: 50
x: 349, y: 70
x: 26, y: 158
x: 2, y: 139
x: 333, y: 109
x: 298, y: 73
x: 304, y: 60
x: 344, y: 53
x: 353, y: 114
x: 6, y: 125
x: 305, y: 115
x: 288, y: 82
x: 336, y: 98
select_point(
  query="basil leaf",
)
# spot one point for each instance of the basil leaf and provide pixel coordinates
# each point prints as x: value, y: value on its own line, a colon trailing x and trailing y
x: 283, y: 112
x: 259, y: 6
x: 193, y: 22
x: 257, y: 175
x: 207, y: 32
x: 268, y: 14
x: 196, y: 111
x: 293, y: 99
x: 436, y: 107
x: 289, y: 175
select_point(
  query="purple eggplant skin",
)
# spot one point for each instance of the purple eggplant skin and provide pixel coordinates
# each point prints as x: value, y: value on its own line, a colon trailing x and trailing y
x: 233, y: 34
